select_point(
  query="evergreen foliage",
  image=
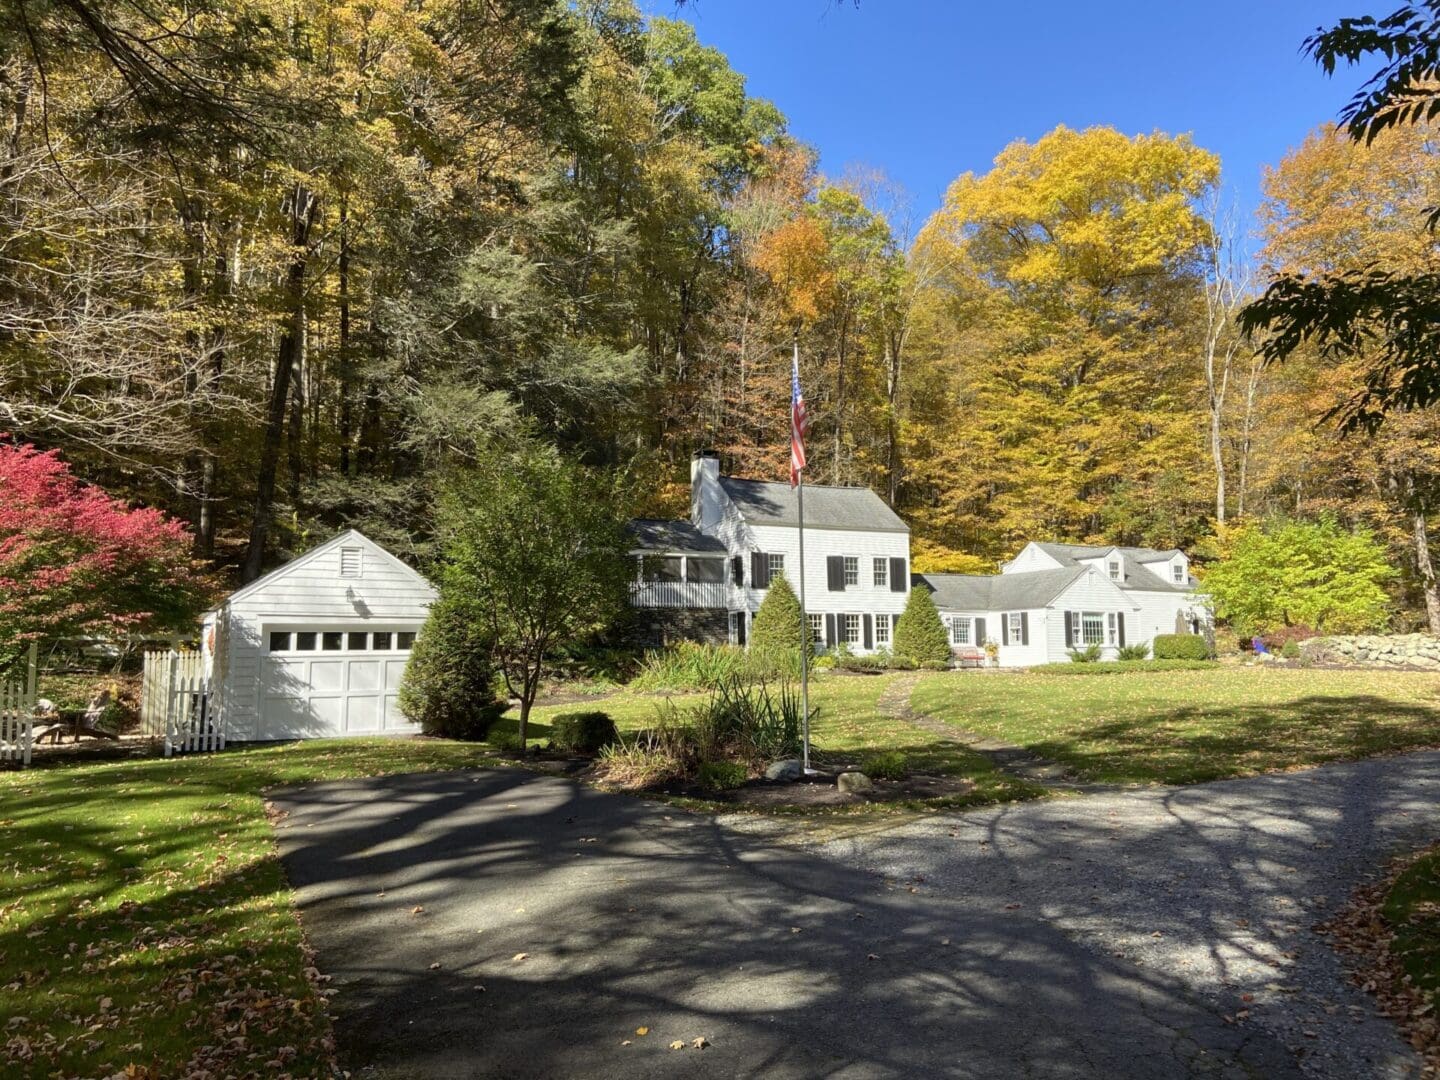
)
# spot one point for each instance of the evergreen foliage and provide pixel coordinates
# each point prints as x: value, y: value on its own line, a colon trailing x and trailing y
x: 1180, y: 647
x: 776, y: 633
x: 920, y: 635
x: 449, y: 683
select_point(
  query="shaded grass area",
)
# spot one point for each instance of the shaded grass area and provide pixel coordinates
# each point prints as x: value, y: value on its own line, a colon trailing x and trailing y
x: 847, y: 731
x: 144, y: 917
x: 1187, y: 726
x: 1412, y: 908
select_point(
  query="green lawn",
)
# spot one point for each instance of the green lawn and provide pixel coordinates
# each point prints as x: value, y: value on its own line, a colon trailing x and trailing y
x: 144, y: 918
x: 846, y: 731
x: 1186, y: 726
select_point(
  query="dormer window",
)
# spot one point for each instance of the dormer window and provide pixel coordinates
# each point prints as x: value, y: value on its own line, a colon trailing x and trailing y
x: 1177, y: 573
x: 350, y: 561
x: 1114, y: 569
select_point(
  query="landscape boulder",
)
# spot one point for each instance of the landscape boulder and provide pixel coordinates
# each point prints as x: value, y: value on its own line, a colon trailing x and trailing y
x: 1375, y: 650
x: 854, y: 783
x: 788, y: 770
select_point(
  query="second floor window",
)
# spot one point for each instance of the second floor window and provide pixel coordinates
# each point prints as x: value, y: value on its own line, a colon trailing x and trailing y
x: 882, y: 573
x: 852, y: 570
x: 1114, y: 569
x: 1177, y: 573
x: 711, y: 570
x: 775, y: 564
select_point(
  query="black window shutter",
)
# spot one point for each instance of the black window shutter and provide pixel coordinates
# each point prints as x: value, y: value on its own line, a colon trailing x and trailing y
x: 737, y: 569
x: 979, y: 632
x: 830, y: 630
x: 1024, y: 628
x: 759, y: 570
x: 898, y: 578
x: 869, y: 632
x: 1120, y: 625
x: 1069, y: 629
x: 1004, y: 638
x: 835, y: 572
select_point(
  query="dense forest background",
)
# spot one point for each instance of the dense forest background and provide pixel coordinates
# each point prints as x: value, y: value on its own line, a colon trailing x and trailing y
x: 276, y: 267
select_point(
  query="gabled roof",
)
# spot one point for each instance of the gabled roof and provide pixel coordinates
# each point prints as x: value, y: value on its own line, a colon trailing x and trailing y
x: 1137, y: 576
x: 999, y: 592
x: 763, y: 503
x: 348, y: 537
x: 680, y: 537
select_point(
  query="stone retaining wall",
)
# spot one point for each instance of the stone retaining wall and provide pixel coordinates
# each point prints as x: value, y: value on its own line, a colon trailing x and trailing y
x: 1375, y: 650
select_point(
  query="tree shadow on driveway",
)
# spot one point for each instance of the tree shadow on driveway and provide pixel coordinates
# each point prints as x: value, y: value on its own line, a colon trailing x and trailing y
x: 630, y: 916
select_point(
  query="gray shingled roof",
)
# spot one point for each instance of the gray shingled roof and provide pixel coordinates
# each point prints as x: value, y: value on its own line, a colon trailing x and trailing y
x: 763, y: 503
x: 1137, y: 577
x: 682, y: 537
x: 998, y: 592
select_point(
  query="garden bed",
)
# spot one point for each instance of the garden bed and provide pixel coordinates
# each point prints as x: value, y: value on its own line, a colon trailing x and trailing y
x: 820, y: 791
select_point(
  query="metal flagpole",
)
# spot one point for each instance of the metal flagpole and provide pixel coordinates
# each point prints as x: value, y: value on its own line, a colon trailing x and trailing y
x: 804, y: 615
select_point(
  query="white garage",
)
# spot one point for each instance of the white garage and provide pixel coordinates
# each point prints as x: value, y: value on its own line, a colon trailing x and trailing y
x: 317, y: 648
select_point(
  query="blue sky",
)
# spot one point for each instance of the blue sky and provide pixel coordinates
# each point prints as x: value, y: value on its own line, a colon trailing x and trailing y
x: 927, y: 89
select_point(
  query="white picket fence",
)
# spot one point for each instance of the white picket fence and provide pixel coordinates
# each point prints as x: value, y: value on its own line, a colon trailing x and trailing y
x: 17, y: 713
x: 175, y: 702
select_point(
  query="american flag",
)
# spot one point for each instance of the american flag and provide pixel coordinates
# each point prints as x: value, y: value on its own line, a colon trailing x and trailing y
x: 799, y: 422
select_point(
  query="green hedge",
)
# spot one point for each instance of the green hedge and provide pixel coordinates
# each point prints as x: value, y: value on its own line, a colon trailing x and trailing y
x: 582, y: 732
x: 1180, y: 647
x: 1120, y: 667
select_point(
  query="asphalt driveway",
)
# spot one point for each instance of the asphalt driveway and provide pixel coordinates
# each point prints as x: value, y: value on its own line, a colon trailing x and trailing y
x: 501, y: 924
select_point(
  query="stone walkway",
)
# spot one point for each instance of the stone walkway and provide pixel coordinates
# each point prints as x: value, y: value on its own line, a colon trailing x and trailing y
x: 1010, y: 759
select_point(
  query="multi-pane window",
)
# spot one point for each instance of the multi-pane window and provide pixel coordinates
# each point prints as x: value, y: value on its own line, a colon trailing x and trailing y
x: 1112, y: 629
x: 959, y: 631
x: 852, y: 570
x: 1014, y: 628
x: 282, y: 641
x: 817, y: 629
x: 850, y: 629
x: 775, y: 564
x: 1092, y: 628
x: 882, y: 629
x: 1177, y: 574
x: 882, y: 573
x: 1114, y: 569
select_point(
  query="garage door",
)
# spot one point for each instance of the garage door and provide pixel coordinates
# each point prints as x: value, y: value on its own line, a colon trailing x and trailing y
x: 327, y: 681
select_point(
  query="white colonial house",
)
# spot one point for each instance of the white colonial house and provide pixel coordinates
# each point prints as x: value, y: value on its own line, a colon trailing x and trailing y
x: 317, y: 647
x: 1052, y: 598
x: 705, y: 578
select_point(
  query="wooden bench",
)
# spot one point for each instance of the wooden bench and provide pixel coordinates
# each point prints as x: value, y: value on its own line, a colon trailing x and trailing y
x: 968, y: 656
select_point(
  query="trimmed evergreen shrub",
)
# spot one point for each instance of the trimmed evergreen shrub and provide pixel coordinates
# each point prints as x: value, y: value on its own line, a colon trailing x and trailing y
x: 1290, y: 650
x: 889, y: 765
x: 1181, y: 647
x: 920, y: 635
x: 582, y: 732
x: 721, y: 775
x: 776, y: 632
x: 449, y: 683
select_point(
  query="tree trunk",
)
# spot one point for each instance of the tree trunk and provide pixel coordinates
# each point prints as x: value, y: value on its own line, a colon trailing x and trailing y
x: 346, y: 378
x: 303, y: 206
x: 1247, y: 427
x: 1421, y: 531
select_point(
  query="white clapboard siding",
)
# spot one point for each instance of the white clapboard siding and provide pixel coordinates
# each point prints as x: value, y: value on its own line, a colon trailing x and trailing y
x: 17, y: 713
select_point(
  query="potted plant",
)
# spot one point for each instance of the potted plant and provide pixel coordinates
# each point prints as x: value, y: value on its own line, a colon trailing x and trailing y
x: 992, y: 651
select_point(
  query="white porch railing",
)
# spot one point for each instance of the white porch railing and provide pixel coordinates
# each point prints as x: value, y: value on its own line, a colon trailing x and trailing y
x: 680, y: 594
x: 17, y: 712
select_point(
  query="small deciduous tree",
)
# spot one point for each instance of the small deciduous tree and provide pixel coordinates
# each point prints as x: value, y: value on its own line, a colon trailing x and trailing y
x: 1301, y: 573
x: 535, y: 547
x: 74, y: 561
x: 776, y: 634
x: 920, y: 635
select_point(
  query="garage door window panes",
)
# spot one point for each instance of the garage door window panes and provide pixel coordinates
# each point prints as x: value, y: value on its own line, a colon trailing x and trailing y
x: 353, y: 641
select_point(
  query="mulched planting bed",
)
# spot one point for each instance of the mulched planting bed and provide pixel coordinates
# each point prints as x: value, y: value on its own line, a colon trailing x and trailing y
x: 821, y: 791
